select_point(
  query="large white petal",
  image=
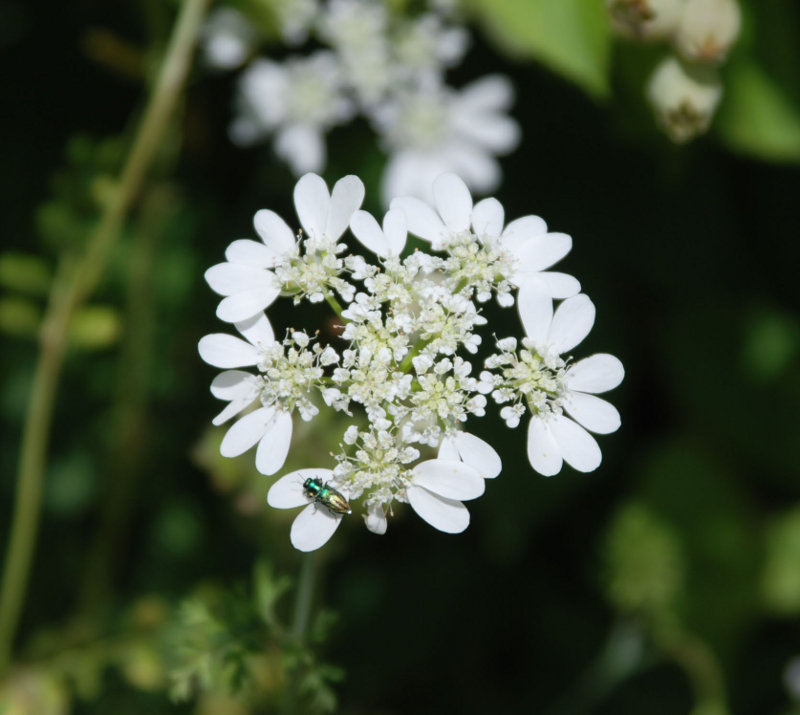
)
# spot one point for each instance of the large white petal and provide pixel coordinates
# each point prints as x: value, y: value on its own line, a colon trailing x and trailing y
x: 251, y: 253
x: 536, y: 313
x: 572, y: 322
x: 274, y: 232
x: 495, y: 132
x: 258, y: 330
x: 452, y: 480
x: 288, y: 492
x: 543, y: 451
x: 594, y: 413
x: 234, y: 407
x: 346, y: 197
x: 311, y: 201
x: 302, y: 147
x: 446, y: 515
x: 489, y: 93
x: 453, y: 201
x: 246, y: 432
x: 478, y: 169
x: 521, y: 230
x: 448, y: 450
x: 232, y: 278
x: 242, y: 306
x: 542, y: 251
x: 579, y: 449
x: 558, y: 285
x: 226, y: 351
x: 395, y: 230
x: 231, y: 384
x: 366, y: 229
x: 313, y: 527
x: 488, y: 217
x: 596, y: 373
x: 274, y: 445
x: 421, y: 219
x: 478, y: 454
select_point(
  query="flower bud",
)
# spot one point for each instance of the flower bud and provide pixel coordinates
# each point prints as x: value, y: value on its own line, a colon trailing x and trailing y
x: 645, y: 19
x: 708, y: 29
x: 685, y: 98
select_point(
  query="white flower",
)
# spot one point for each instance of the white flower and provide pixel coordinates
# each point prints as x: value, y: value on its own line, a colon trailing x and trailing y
x: 227, y: 39
x: 645, y: 19
x: 437, y: 489
x: 298, y: 101
x: 316, y: 523
x: 708, y: 29
x: 423, y: 46
x: 296, y: 18
x: 517, y: 254
x: 684, y: 98
x: 553, y: 437
x: 430, y: 129
x: 269, y: 427
x: 255, y: 273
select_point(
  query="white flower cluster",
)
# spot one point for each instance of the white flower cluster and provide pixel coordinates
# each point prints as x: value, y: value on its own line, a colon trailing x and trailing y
x: 388, y: 66
x: 684, y: 89
x: 410, y: 323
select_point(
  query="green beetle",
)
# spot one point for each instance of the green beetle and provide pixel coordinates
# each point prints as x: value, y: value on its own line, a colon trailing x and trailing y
x: 329, y: 497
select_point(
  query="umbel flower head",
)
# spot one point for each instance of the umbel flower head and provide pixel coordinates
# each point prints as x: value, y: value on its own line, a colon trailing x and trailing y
x: 404, y: 380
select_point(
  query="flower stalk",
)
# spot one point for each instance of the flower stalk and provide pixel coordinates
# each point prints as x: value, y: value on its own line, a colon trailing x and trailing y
x: 76, y: 280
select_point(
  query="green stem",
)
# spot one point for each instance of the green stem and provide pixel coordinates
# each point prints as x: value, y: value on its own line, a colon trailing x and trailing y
x: 75, y: 282
x: 334, y: 304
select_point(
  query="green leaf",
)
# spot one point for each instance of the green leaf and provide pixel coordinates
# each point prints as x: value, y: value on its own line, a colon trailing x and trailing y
x: 95, y: 327
x: 757, y: 117
x: 19, y: 317
x: 571, y: 37
x: 24, y: 273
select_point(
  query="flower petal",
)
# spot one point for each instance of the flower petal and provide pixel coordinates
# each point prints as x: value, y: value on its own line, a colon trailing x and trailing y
x: 288, y: 492
x: 521, y: 230
x: 231, y: 384
x: 346, y: 197
x: 234, y: 407
x: 572, y: 322
x: 274, y: 445
x: 579, y: 449
x: 593, y: 413
x: 595, y: 374
x: 452, y: 480
x: 250, y: 253
x: 542, y: 251
x: 376, y: 521
x: 223, y: 350
x: 421, y: 219
x: 311, y: 201
x: 366, y: 229
x: 395, y: 230
x: 488, y: 217
x: 244, y: 305
x: 274, y: 232
x: 231, y: 278
x: 446, y: 515
x: 448, y: 450
x: 313, y: 527
x: 558, y: 285
x: 246, y: 432
x: 479, y: 455
x: 453, y: 201
x: 536, y: 313
x: 543, y: 451
x: 258, y: 330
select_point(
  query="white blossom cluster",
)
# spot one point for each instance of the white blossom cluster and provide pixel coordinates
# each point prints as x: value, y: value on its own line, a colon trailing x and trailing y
x: 369, y: 59
x: 685, y: 88
x: 410, y: 323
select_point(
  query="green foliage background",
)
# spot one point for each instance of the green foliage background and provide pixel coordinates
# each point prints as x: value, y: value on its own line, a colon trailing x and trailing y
x: 666, y: 582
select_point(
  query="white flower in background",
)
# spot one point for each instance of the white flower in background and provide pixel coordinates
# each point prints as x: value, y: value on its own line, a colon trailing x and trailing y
x: 399, y: 360
x: 227, y: 39
x: 297, y: 101
x: 684, y: 98
x: 645, y: 19
x: 424, y: 46
x: 296, y: 17
x: 708, y: 29
x: 548, y: 385
x: 256, y: 273
x: 482, y: 252
x: 430, y: 129
x: 357, y: 31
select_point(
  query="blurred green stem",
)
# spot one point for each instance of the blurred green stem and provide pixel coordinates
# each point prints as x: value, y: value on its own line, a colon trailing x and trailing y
x: 75, y: 282
x: 305, y: 589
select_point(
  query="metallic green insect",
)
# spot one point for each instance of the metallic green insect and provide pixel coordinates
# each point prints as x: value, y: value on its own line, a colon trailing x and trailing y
x: 321, y: 493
